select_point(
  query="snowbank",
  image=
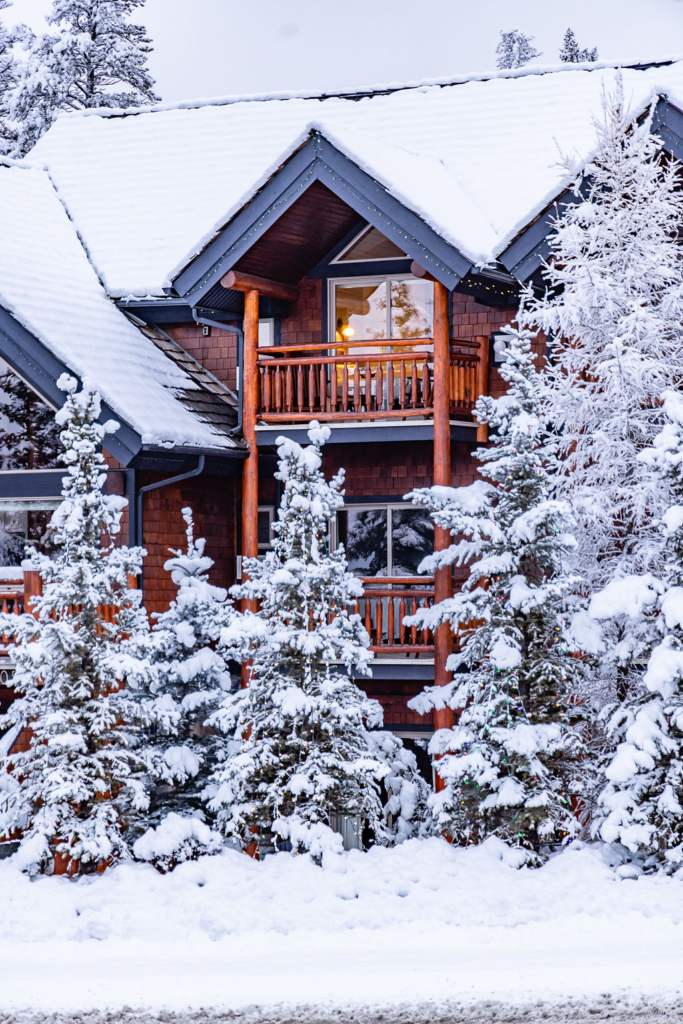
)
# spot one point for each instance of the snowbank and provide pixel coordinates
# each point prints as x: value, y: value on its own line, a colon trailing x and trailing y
x: 418, y: 923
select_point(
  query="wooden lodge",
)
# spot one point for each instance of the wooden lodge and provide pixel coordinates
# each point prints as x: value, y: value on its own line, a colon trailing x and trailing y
x: 227, y: 272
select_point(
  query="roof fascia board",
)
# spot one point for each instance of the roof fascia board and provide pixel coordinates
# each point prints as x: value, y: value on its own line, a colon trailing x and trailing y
x: 41, y: 370
x: 667, y: 123
x: 319, y: 160
x: 530, y: 249
x: 241, y: 233
x: 31, y: 483
x: 372, y: 201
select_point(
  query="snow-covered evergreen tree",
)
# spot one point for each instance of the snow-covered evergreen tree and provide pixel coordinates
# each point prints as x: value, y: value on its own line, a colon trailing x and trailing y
x: 515, y: 50
x: 189, y: 679
x: 614, y: 312
x: 510, y: 763
x: 94, y: 57
x: 641, y: 807
x: 571, y: 52
x: 29, y: 439
x: 29, y: 435
x: 7, y: 77
x: 304, y: 755
x: 79, y: 785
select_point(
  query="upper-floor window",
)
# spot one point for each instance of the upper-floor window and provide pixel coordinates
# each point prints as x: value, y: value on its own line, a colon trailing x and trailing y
x: 368, y: 246
x: 374, y: 308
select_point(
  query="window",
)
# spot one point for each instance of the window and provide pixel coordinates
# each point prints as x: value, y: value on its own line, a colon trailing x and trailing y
x: 266, y: 516
x: 370, y: 244
x: 385, y: 540
x: 381, y: 307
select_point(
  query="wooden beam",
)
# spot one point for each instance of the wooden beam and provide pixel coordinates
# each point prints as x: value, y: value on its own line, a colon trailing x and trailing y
x: 417, y: 270
x: 250, y: 397
x: 236, y: 281
x: 483, y: 381
x: 443, y: 589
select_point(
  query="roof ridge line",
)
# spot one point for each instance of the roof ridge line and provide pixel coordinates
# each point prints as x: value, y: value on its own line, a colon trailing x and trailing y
x: 374, y: 90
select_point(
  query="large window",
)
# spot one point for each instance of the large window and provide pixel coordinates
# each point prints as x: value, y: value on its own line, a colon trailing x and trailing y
x: 381, y: 307
x: 385, y: 540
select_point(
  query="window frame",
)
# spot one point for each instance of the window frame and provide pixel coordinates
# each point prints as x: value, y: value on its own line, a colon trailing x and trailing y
x: 360, y: 282
x: 339, y: 258
x: 371, y: 506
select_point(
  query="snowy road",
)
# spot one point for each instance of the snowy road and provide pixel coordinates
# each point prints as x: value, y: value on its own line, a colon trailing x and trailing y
x: 548, y: 961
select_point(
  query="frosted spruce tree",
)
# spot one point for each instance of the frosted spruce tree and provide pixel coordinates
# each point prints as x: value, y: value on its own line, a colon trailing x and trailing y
x: 8, y: 72
x: 641, y: 806
x: 188, y: 681
x: 510, y: 765
x: 515, y: 50
x: 571, y: 52
x: 75, y: 792
x: 95, y: 56
x: 304, y: 757
x: 614, y: 312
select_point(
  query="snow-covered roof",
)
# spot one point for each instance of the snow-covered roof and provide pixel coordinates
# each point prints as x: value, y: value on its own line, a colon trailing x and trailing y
x: 49, y: 286
x: 476, y: 159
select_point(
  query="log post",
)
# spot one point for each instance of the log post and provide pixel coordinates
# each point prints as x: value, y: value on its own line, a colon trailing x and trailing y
x: 250, y: 389
x: 33, y: 587
x: 483, y: 382
x: 442, y: 477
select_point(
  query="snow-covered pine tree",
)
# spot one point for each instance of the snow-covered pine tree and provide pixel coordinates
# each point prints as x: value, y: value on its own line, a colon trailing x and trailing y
x: 189, y: 681
x: 510, y: 764
x: 515, y: 50
x: 29, y: 439
x: 95, y: 57
x: 79, y: 785
x: 7, y: 77
x: 641, y: 807
x: 304, y: 757
x: 571, y: 52
x: 614, y: 312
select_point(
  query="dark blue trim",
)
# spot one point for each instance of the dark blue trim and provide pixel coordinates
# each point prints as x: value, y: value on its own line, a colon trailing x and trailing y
x: 368, y: 269
x: 373, y: 433
x: 528, y: 251
x: 31, y: 483
x: 407, y: 669
x: 41, y: 370
x: 318, y: 160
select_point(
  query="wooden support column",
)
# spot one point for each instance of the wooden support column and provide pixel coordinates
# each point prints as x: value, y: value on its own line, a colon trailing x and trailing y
x: 250, y: 385
x: 483, y: 382
x: 442, y: 477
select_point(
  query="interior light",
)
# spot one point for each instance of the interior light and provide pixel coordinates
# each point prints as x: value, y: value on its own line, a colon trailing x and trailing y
x: 348, y: 332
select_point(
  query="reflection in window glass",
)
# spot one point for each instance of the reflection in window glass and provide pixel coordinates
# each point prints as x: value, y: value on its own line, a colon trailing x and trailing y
x: 412, y: 539
x: 412, y: 309
x: 364, y: 536
x: 361, y: 312
x: 371, y: 245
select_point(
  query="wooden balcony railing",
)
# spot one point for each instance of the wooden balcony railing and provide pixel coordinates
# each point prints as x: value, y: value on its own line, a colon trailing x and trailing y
x: 385, y: 604
x: 364, y: 380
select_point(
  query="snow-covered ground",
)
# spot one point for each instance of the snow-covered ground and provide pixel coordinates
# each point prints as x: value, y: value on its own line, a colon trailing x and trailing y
x: 368, y: 934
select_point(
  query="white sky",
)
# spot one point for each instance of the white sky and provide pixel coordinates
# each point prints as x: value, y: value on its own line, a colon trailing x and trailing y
x: 222, y: 47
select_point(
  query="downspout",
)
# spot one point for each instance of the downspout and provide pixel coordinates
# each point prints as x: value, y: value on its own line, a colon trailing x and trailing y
x: 155, y: 487
x: 221, y: 326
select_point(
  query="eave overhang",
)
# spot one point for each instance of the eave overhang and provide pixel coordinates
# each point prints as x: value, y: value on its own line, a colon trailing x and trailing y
x: 41, y: 370
x: 529, y: 250
x: 319, y: 160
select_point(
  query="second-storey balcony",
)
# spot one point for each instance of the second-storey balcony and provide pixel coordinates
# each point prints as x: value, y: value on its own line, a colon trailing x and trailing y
x: 366, y: 380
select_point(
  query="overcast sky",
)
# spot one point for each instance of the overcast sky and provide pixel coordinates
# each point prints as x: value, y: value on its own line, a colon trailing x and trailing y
x: 223, y: 47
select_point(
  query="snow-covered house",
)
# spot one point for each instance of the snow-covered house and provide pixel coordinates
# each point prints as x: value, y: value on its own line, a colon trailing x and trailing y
x: 228, y: 270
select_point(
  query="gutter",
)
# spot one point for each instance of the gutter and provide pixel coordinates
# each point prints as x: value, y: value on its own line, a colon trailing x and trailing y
x: 155, y: 487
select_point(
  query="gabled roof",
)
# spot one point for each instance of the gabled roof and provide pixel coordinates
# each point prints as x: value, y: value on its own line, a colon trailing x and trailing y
x: 477, y: 161
x: 54, y: 313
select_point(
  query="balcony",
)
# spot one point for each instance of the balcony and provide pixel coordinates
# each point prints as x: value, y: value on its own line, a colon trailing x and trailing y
x: 365, y: 380
x: 383, y: 607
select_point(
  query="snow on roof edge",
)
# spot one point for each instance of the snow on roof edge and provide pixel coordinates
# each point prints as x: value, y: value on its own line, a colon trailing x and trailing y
x: 361, y: 92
